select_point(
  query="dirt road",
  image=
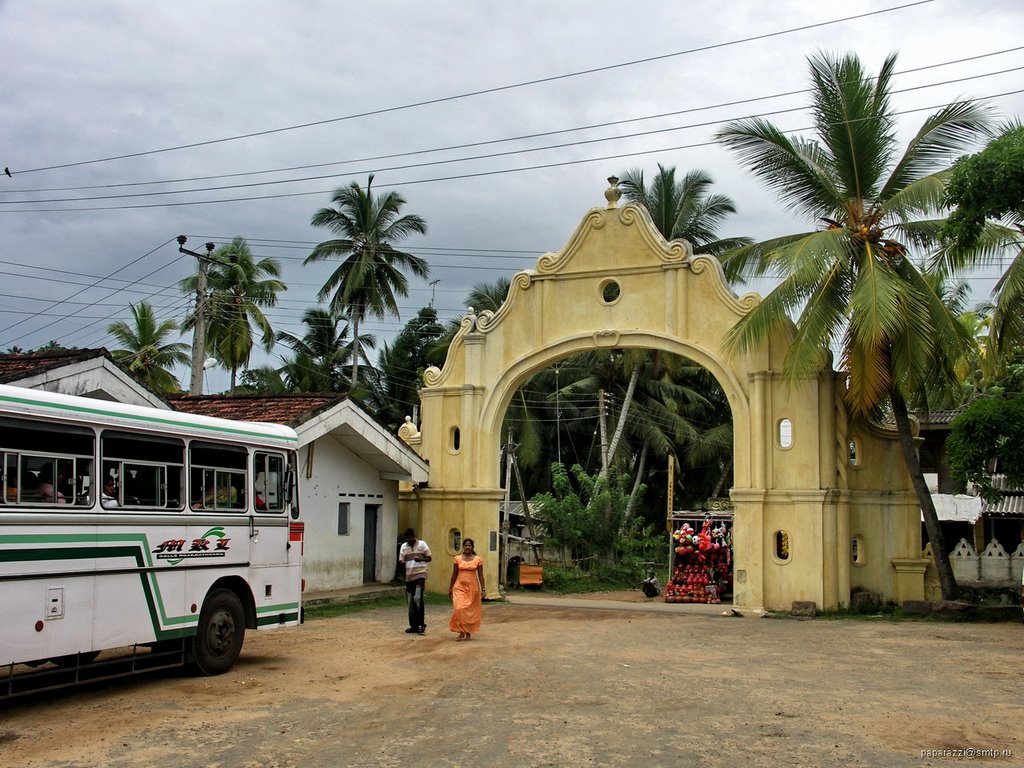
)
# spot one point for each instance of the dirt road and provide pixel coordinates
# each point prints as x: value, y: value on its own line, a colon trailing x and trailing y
x: 557, y: 686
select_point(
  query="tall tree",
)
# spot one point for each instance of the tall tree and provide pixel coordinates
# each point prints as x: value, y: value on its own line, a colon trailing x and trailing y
x: 983, y: 187
x: 684, y: 209
x: 400, y: 366
x: 145, y: 352
x: 319, y: 355
x: 240, y: 287
x: 371, y: 274
x: 853, y: 283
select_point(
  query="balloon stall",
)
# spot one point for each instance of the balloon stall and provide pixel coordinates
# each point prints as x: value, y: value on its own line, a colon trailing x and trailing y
x: 700, y: 566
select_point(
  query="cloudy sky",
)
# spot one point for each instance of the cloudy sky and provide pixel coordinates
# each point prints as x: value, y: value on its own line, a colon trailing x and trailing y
x: 125, y: 124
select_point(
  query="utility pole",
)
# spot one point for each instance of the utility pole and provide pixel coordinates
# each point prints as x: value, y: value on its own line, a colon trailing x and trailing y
x: 199, y: 329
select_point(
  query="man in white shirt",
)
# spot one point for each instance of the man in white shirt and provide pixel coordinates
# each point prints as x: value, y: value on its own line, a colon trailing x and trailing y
x: 109, y: 496
x: 415, y: 554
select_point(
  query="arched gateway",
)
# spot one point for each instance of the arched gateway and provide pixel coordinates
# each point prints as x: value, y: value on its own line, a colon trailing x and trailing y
x: 838, y: 494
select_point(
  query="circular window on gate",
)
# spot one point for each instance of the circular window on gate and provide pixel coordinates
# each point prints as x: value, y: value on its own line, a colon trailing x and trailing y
x: 454, y: 440
x: 610, y: 291
x: 781, y: 546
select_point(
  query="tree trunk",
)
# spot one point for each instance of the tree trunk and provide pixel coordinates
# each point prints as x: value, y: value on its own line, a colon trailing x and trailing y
x: 627, y: 400
x: 640, y: 466
x: 947, y: 581
x: 720, y: 485
x: 604, y: 433
x: 355, y: 354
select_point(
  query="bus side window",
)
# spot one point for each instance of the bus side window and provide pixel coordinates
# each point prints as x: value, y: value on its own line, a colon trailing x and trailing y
x: 146, y: 470
x: 218, y: 476
x: 268, y: 469
x: 9, y: 467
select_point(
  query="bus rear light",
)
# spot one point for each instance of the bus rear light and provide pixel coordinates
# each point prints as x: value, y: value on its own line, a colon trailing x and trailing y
x: 303, y: 584
x: 297, y: 532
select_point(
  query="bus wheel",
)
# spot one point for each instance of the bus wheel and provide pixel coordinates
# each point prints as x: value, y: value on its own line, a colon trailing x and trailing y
x: 218, y: 639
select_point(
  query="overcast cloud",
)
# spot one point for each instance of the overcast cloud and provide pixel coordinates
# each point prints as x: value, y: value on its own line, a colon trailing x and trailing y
x: 90, y: 80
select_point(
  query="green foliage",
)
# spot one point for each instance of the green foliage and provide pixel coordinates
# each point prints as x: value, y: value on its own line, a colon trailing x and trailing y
x: 583, y: 515
x: 394, y: 391
x: 562, y: 513
x: 986, y: 185
x: 599, y: 578
x: 990, y: 429
x: 372, y: 273
x: 852, y: 279
x: 145, y: 352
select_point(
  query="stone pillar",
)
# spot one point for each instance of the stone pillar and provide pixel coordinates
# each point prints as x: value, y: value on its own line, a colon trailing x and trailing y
x: 909, y: 578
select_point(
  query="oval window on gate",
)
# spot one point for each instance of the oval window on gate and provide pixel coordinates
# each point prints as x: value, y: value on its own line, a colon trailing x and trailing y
x: 857, y: 550
x: 780, y: 546
x: 785, y: 435
x: 855, y: 452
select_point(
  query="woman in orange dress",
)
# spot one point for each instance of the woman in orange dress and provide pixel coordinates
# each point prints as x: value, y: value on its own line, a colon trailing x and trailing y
x: 466, y: 591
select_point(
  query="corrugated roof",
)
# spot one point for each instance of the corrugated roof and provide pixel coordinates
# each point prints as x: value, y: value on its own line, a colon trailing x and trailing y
x: 1012, y: 502
x: 288, y: 409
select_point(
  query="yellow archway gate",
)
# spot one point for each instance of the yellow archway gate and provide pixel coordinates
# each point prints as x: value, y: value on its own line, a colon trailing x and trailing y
x: 827, y: 510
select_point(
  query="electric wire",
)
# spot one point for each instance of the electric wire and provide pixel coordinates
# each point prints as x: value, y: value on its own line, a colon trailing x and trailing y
x: 436, y: 179
x: 491, y: 90
x: 523, y: 137
x: 470, y: 158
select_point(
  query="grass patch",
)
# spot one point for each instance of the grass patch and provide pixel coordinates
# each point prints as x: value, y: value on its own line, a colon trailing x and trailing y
x: 331, y: 610
x: 572, y: 581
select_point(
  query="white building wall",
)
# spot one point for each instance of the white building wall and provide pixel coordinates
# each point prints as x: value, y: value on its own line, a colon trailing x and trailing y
x: 332, y: 560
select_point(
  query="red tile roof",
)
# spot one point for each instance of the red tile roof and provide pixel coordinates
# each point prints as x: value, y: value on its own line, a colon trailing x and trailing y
x: 20, y: 366
x: 288, y: 409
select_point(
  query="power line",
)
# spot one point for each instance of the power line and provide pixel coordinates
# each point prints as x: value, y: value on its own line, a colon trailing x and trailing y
x: 485, y: 91
x: 455, y: 177
x: 523, y: 137
x: 470, y: 158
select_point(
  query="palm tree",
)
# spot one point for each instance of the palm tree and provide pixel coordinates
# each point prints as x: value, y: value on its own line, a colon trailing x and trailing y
x: 240, y: 286
x: 684, y: 209
x: 146, y: 354
x: 319, y: 355
x: 852, y: 283
x: 400, y: 366
x: 370, y: 277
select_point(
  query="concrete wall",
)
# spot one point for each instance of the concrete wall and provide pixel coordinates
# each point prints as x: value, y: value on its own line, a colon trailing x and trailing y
x: 337, y: 475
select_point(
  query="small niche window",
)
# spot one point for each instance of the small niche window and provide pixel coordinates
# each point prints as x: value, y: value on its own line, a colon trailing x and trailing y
x: 781, y: 546
x: 454, y: 541
x: 344, y: 528
x: 857, y: 550
x: 855, y: 452
x: 610, y: 291
x: 785, y: 433
x: 456, y: 439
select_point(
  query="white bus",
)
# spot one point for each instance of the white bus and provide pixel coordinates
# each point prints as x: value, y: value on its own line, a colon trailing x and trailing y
x: 160, y: 534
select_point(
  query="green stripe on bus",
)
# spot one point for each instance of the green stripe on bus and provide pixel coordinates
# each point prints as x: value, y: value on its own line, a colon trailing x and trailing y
x: 162, y: 623
x: 278, y: 618
x: 150, y: 419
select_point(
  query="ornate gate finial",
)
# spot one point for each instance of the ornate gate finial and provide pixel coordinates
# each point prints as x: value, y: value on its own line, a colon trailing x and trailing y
x: 613, y: 193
